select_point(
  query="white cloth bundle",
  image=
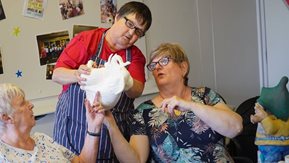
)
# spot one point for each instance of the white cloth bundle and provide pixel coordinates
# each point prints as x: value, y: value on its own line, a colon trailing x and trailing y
x: 109, y: 80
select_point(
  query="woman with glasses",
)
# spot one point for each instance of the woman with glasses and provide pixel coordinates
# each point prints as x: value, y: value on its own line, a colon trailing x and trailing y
x: 181, y: 123
x: 131, y: 23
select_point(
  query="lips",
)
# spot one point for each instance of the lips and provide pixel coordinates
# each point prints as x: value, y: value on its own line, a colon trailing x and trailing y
x: 160, y: 74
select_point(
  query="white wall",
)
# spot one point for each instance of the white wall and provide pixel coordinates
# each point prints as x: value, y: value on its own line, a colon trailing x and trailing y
x: 236, y: 49
x: 275, y: 55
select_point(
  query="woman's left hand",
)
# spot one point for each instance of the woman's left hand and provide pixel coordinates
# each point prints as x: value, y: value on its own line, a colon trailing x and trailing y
x: 175, y: 105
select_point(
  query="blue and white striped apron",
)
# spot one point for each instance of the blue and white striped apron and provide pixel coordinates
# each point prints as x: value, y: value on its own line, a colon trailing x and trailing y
x: 70, y: 121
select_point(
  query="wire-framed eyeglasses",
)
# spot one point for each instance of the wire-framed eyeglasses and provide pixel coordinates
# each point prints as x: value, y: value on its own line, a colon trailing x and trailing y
x: 131, y: 25
x: 162, y: 62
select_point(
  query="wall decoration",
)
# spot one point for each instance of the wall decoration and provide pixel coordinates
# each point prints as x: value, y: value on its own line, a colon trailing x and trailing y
x: 34, y: 8
x: 18, y: 73
x: 16, y: 31
x: 2, y: 13
x: 51, y: 45
x: 71, y: 8
x: 107, y: 10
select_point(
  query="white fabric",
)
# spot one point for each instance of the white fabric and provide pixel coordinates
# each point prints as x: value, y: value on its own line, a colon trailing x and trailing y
x: 109, y: 80
x: 45, y: 150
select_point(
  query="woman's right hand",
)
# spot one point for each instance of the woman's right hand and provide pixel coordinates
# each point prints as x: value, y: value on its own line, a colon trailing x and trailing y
x: 83, y: 69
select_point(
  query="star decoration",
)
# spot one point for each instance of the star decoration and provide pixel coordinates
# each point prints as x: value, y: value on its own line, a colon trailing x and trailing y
x: 16, y: 31
x: 18, y: 73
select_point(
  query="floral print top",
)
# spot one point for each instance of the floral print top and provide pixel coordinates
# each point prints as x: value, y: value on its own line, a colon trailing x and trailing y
x: 181, y: 139
x: 45, y: 150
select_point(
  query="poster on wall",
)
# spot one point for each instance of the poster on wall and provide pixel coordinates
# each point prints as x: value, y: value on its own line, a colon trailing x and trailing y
x: 34, y: 8
x: 70, y: 8
x: 51, y: 45
x: 1, y: 65
x: 2, y: 13
x: 107, y: 10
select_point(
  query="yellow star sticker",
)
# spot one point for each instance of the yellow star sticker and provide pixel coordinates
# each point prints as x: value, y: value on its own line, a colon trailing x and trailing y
x: 16, y: 31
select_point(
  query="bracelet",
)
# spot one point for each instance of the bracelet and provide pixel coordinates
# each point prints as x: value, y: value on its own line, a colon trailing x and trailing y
x: 93, y: 134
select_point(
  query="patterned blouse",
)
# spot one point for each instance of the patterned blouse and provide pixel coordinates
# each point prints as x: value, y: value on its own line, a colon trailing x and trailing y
x: 181, y: 139
x: 45, y: 150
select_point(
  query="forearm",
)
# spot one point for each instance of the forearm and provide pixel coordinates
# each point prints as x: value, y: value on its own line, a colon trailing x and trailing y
x: 90, y: 149
x: 64, y: 76
x: 220, y: 118
x: 122, y: 149
x: 136, y: 90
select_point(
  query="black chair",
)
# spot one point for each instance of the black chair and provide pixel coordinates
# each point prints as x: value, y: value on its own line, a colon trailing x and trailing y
x: 242, y: 147
x: 242, y: 159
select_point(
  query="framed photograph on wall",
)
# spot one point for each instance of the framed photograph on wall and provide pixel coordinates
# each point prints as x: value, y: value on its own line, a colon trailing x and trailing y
x: 70, y: 9
x: 108, y: 10
x: 51, y: 45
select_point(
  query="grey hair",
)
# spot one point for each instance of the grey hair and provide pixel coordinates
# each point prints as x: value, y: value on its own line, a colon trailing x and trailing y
x: 7, y: 93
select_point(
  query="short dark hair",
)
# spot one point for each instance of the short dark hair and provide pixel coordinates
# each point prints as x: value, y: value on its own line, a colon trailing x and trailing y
x: 141, y: 11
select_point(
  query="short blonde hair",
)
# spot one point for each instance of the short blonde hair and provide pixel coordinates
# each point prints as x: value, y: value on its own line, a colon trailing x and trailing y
x: 175, y: 52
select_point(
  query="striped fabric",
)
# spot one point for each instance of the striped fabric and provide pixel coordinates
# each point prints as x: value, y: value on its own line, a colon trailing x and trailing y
x: 70, y: 121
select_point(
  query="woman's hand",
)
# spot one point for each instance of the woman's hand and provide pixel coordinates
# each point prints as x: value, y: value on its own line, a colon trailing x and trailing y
x: 94, y: 114
x: 259, y: 115
x: 83, y: 69
x: 175, y: 105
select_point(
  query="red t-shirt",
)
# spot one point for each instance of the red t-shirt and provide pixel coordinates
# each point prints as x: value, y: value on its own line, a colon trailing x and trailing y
x: 83, y: 46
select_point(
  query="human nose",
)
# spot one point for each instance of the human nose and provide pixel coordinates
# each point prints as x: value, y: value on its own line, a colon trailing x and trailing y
x: 30, y: 105
x: 158, y: 65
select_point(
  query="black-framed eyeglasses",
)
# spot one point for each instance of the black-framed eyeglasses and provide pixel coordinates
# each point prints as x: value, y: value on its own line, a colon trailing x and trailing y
x: 163, y: 62
x: 131, y: 25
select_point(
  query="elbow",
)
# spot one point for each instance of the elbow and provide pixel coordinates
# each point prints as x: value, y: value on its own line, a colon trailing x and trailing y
x: 55, y: 78
x: 236, y: 128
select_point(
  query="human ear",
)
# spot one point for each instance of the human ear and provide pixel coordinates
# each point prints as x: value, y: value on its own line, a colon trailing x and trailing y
x: 5, y: 118
x: 184, y: 67
x: 116, y: 18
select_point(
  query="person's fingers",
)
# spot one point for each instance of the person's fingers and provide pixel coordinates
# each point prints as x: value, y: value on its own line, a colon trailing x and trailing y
x: 97, y: 97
